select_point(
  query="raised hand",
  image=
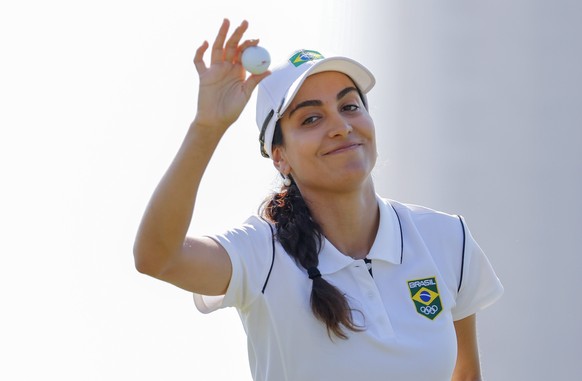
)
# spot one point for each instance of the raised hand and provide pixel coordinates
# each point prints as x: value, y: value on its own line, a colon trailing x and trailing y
x: 224, y: 89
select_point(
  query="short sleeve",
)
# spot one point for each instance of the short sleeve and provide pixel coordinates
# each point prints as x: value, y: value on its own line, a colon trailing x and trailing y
x: 480, y: 287
x: 249, y: 248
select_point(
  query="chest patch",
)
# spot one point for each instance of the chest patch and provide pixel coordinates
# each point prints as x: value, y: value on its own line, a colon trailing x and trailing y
x: 425, y: 295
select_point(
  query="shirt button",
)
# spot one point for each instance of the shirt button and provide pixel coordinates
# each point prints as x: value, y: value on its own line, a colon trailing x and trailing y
x: 370, y: 295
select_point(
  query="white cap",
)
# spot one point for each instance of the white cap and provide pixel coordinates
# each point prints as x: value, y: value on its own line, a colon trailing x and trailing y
x: 278, y: 90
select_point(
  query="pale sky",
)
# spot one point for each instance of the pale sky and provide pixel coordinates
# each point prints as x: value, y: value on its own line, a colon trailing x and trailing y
x: 96, y: 98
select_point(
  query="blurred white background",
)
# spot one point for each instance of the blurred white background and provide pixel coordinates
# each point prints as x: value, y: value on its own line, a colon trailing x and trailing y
x: 477, y: 109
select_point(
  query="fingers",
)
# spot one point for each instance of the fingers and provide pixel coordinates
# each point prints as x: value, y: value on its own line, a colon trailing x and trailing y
x: 248, y: 43
x: 231, y: 48
x: 217, y: 46
x: 198, y: 57
x: 221, y: 52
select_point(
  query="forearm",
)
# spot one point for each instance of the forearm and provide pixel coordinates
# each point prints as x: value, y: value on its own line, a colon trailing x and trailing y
x: 222, y: 95
x: 467, y: 367
x: 167, y: 217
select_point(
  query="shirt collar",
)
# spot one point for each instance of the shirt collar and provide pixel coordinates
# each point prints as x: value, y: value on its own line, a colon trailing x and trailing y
x: 386, y: 247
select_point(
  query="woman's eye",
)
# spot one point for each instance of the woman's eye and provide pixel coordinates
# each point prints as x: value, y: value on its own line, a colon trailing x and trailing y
x: 309, y: 120
x: 351, y: 108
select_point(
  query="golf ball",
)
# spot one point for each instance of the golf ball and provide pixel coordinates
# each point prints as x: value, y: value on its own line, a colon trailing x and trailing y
x: 255, y: 59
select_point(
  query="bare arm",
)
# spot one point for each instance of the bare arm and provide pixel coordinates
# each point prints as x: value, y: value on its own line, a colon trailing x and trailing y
x: 467, y: 367
x: 161, y: 248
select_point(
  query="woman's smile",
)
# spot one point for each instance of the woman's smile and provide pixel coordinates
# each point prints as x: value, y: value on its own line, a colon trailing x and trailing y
x: 343, y: 148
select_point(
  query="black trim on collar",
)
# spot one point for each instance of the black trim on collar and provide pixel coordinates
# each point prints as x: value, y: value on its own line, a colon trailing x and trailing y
x: 401, y: 236
x: 272, y: 259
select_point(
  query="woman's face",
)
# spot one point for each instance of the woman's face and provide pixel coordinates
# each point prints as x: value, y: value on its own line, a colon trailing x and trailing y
x: 328, y: 136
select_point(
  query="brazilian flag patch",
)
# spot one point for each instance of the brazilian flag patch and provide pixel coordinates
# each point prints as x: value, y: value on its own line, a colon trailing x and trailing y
x: 303, y: 56
x: 426, y: 298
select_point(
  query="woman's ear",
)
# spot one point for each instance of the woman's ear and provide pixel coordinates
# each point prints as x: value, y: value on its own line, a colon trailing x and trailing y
x: 279, y: 161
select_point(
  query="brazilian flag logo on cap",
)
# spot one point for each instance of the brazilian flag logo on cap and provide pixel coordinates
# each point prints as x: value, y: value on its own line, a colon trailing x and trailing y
x: 303, y: 56
x: 425, y: 295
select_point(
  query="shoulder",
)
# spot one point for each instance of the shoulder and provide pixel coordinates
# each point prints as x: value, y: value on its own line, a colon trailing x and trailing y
x: 254, y: 228
x: 250, y: 249
x: 441, y: 234
x: 249, y: 244
x: 424, y: 217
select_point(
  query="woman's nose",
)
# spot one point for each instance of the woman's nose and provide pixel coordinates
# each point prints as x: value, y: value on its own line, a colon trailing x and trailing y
x: 339, y: 126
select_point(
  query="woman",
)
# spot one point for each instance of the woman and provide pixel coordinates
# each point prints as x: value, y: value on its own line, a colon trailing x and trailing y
x: 331, y: 281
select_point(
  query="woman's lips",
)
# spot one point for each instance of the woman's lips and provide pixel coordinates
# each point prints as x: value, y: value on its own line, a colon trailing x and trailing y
x: 343, y: 148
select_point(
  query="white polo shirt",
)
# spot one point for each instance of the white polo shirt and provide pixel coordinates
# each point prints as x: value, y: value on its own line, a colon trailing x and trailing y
x: 427, y: 272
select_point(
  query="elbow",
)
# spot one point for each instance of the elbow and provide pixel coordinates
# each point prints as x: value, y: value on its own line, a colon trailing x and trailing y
x: 144, y: 261
x: 141, y: 263
x: 142, y: 266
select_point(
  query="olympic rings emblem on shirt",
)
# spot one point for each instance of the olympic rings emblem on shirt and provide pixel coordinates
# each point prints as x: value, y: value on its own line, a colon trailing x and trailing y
x: 429, y: 310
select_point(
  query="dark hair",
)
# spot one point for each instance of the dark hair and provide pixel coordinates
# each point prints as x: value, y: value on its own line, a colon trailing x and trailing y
x: 301, y: 237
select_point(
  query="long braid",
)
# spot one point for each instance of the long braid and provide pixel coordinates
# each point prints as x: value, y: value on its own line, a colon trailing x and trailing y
x: 301, y: 238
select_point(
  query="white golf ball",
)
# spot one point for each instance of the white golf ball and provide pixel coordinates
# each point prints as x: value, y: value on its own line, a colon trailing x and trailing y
x: 255, y: 59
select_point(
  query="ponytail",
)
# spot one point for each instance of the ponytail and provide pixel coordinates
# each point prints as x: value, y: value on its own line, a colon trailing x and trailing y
x: 301, y: 237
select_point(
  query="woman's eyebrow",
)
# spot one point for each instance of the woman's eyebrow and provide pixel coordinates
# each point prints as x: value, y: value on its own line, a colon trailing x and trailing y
x: 314, y: 102
x: 345, y: 91
x: 305, y: 104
